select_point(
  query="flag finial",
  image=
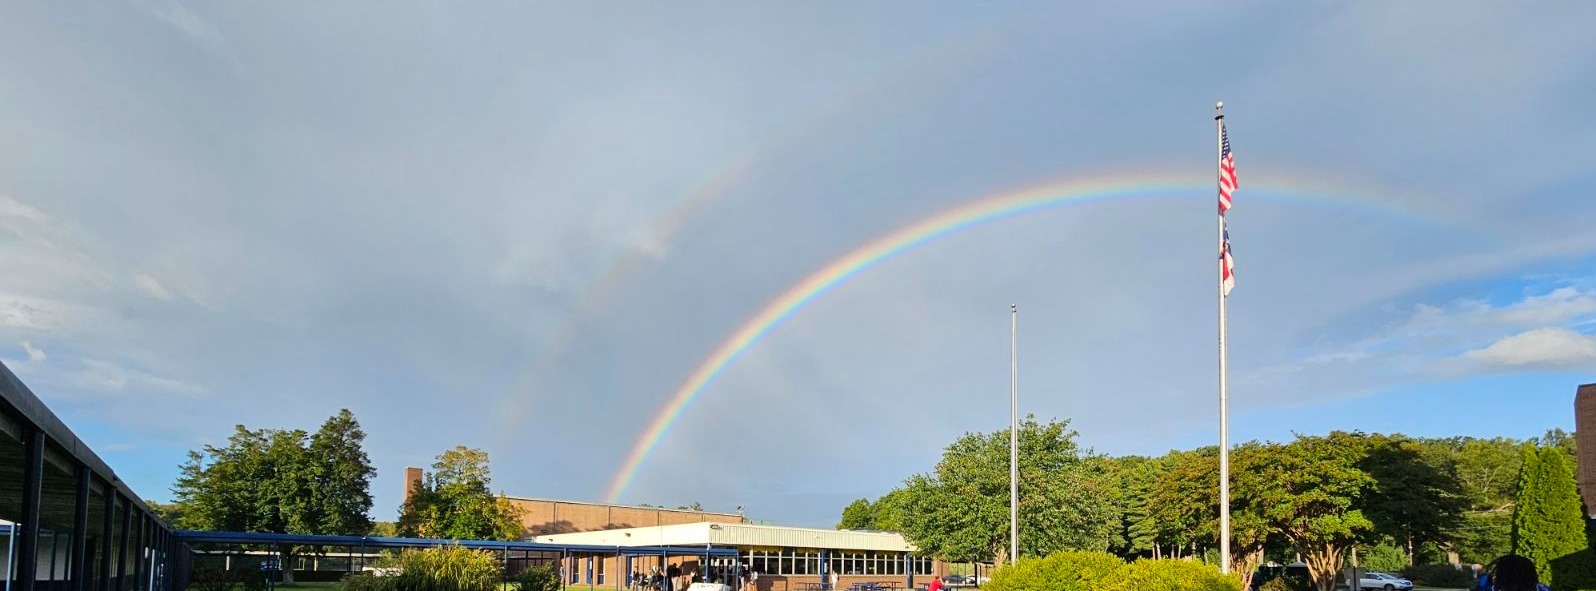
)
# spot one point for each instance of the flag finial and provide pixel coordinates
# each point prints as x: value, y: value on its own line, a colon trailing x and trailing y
x: 1219, y: 106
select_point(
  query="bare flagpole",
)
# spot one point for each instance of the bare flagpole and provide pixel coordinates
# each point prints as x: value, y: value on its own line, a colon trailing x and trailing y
x: 1224, y: 370
x: 1014, y: 434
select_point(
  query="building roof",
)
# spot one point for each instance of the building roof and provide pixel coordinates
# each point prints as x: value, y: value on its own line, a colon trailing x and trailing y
x: 639, y: 507
x: 737, y: 534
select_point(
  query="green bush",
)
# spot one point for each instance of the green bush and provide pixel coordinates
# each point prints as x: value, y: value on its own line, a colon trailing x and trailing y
x: 537, y: 578
x: 1276, y: 584
x: 1170, y: 575
x: 447, y: 568
x: 1060, y: 571
x: 1438, y: 575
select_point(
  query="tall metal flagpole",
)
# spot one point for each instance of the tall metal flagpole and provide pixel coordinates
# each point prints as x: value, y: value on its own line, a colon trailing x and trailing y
x: 1014, y: 434
x: 1224, y: 397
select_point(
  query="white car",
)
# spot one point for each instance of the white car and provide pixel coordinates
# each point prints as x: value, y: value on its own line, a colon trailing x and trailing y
x: 1384, y: 582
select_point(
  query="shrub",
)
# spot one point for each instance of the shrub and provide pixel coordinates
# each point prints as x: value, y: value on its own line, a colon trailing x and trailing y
x: 1060, y: 571
x: 364, y: 582
x: 212, y: 579
x: 537, y: 578
x: 1276, y: 584
x: 1438, y: 575
x: 451, y: 568
x: 447, y: 568
x: 1170, y: 575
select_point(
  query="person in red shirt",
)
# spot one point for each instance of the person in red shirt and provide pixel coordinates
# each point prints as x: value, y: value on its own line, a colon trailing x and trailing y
x: 936, y: 584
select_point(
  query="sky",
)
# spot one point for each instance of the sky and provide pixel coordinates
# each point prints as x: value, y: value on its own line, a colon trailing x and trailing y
x: 523, y: 226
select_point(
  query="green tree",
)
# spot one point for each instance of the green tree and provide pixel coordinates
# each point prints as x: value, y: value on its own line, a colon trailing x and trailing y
x: 1185, y: 502
x: 1314, y: 499
x: 1487, y: 470
x: 859, y: 514
x: 889, y: 511
x: 960, y: 510
x: 258, y: 482
x: 172, y: 513
x: 1548, y: 521
x: 1135, y: 476
x: 1415, y: 498
x: 341, y: 476
x: 454, y: 502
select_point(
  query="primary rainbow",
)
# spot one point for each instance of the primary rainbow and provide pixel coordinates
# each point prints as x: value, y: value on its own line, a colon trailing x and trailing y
x: 978, y: 212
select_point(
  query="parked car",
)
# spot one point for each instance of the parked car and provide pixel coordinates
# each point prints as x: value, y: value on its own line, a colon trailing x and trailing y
x: 956, y: 581
x: 1384, y: 582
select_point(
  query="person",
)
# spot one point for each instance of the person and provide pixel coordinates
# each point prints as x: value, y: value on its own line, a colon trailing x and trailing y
x: 1512, y: 573
x: 832, y: 578
x: 936, y: 584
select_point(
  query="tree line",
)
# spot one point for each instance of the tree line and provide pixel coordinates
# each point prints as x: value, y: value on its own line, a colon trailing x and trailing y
x: 1395, y: 499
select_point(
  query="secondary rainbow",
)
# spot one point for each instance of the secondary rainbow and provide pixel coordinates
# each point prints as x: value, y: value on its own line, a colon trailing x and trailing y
x: 981, y: 211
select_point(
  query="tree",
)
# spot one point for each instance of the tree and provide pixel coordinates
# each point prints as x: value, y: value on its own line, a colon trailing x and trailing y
x: 1488, y: 471
x: 172, y: 513
x: 889, y: 511
x: 341, y: 476
x: 1184, y: 502
x: 1415, y: 499
x: 859, y: 514
x: 454, y: 502
x: 960, y: 511
x: 1314, y: 497
x: 1548, y: 522
x: 279, y: 481
x: 1135, y: 477
x: 258, y: 482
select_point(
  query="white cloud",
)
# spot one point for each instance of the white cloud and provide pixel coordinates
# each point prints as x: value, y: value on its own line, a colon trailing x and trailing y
x: 1541, y: 347
x: 1537, y: 331
x: 152, y: 286
x: 108, y: 377
x: 35, y: 354
x: 191, y: 24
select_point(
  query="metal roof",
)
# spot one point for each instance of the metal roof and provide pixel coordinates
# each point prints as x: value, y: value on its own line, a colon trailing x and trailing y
x: 738, y: 534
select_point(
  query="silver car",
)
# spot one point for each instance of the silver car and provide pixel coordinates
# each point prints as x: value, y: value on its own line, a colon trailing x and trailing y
x: 1384, y: 582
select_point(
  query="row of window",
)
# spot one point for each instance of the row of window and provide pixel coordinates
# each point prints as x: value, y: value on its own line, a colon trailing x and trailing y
x: 789, y: 561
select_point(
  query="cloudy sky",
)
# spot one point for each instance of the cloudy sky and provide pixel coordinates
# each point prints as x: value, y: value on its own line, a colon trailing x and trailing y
x: 522, y: 227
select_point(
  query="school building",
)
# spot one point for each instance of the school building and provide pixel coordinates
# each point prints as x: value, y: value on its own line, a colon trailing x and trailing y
x: 786, y: 558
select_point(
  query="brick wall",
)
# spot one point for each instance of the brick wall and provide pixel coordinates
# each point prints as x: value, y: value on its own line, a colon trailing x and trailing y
x: 1585, y: 432
x: 541, y: 517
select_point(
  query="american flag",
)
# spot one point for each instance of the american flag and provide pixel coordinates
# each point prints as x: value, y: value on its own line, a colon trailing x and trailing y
x: 1227, y: 265
x: 1227, y: 170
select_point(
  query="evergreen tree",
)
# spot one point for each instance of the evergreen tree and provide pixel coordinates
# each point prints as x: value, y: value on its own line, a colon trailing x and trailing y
x: 1548, y: 522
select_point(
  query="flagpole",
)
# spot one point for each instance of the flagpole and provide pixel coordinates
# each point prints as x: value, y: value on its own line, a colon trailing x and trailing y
x: 1014, y: 434
x: 1224, y: 370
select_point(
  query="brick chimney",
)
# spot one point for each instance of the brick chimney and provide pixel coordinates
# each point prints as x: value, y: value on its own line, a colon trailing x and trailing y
x: 412, y: 479
x: 1585, y: 438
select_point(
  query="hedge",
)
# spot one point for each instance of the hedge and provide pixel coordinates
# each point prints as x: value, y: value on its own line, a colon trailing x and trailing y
x: 1100, y: 571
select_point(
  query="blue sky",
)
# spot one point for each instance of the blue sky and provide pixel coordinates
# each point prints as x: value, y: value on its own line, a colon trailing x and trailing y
x: 260, y: 212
